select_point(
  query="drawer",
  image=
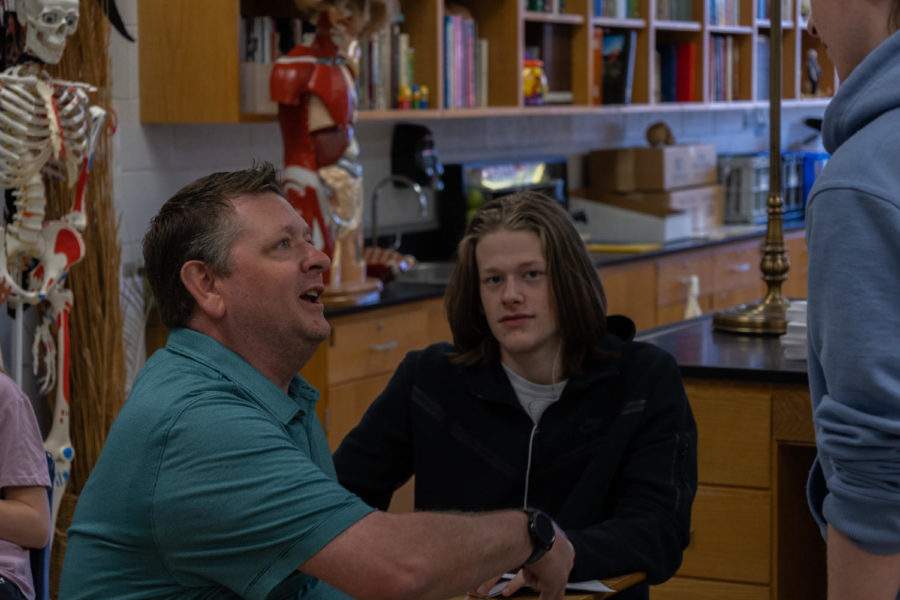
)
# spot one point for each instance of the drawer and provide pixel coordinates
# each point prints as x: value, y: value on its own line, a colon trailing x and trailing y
x: 438, y: 327
x: 683, y: 588
x: 733, y: 297
x: 673, y: 274
x: 795, y: 286
x: 347, y: 403
x: 631, y: 290
x: 737, y: 267
x: 731, y: 536
x: 733, y: 432
x: 675, y: 312
x: 375, y: 342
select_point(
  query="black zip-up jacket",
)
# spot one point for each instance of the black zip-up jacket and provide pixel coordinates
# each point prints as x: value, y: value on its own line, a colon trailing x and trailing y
x: 614, y: 460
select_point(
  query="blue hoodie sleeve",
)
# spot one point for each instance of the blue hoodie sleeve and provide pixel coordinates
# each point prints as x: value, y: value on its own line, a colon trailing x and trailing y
x: 854, y: 348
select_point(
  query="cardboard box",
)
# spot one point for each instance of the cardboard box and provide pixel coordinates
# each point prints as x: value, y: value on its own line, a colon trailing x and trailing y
x: 703, y: 204
x: 651, y: 169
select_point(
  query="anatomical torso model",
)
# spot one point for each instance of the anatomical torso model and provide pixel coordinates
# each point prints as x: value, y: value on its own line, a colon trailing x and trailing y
x: 314, y: 86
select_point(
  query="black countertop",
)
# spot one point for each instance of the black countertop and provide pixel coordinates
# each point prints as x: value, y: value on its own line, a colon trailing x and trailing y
x: 393, y: 293
x: 701, y: 351
x: 400, y: 293
x: 727, y: 235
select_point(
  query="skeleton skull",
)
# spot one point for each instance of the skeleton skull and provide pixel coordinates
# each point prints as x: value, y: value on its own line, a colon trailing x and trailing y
x: 49, y: 22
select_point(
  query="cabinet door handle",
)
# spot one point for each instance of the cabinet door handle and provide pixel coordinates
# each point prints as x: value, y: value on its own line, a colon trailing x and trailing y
x: 383, y: 347
x: 741, y: 268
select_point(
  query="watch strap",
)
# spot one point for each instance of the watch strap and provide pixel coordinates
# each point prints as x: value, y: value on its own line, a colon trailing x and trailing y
x: 542, y: 533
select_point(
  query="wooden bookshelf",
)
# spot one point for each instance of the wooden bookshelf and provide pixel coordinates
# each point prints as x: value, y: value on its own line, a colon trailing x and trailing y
x: 192, y: 74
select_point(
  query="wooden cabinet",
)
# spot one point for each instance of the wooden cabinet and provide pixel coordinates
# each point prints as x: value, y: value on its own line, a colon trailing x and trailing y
x: 681, y: 588
x: 751, y: 534
x: 358, y: 360
x: 731, y: 540
x: 191, y: 73
x: 674, y: 278
x: 630, y: 290
x: 362, y: 352
x: 736, y: 275
x: 373, y: 342
x: 654, y: 291
x: 795, y: 286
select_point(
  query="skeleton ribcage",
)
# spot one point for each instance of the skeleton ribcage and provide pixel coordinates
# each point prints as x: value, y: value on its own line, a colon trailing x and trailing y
x: 72, y: 108
x: 38, y: 122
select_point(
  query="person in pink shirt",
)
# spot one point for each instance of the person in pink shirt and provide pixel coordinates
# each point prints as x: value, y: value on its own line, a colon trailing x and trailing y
x: 24, y: 480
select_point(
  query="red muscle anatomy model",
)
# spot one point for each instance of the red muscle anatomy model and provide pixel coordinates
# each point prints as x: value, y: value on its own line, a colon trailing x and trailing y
x: 315, y: 88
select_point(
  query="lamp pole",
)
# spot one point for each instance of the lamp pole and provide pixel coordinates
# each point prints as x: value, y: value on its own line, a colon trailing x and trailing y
x: 767, y: 316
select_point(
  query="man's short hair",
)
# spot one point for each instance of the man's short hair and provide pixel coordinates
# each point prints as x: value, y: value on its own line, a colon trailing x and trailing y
x: 198, y: 223
x: 576, y: 292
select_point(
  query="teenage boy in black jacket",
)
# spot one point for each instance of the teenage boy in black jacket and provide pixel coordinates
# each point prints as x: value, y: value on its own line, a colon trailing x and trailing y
x: 541, y: 402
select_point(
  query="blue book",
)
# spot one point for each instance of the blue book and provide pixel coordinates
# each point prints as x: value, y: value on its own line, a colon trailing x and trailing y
x: 448, y: 62
x: 618, y: 65
x: 668, y: 72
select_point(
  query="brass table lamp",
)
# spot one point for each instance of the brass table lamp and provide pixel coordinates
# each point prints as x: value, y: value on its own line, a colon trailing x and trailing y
x: 767, y: 316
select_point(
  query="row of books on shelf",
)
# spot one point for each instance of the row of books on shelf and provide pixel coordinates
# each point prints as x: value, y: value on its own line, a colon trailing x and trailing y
x: 724, y: 12
x: 386, y: 76
x: 550, y: 6
x: 675, y: 10
x: 465, y: 63
x: 724, y: 60
x: 264, y: 39
x: 613, y: 57
x: 617, y: 9
x: 763, y: 56
x: 676, y: 72
x: 787, y: 9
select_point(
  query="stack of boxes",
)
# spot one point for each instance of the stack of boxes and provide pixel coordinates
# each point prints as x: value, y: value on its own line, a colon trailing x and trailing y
x: 673, y: 185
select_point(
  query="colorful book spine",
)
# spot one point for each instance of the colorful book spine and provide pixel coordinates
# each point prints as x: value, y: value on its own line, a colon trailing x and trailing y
x: 687, y: 72
x: 470, y: 38
x: 448, y: 61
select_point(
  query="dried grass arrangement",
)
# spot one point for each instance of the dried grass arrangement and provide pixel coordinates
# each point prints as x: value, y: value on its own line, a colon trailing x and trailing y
x: 97, y: 371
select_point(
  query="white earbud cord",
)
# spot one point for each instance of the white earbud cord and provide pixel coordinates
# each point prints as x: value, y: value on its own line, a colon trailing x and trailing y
x: 553, y: 372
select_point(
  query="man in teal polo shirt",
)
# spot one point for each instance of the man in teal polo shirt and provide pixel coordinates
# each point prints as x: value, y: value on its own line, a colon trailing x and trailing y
x: 216, y: 480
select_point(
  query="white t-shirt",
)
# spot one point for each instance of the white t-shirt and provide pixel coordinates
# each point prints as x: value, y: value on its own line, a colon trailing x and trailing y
x: 534, y: 397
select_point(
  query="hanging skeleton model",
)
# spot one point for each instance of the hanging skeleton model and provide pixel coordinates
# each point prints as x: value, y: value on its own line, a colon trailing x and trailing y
x: 47, y: 127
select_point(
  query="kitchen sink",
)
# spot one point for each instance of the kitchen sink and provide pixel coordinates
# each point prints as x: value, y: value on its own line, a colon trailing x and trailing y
x: 428, y: 273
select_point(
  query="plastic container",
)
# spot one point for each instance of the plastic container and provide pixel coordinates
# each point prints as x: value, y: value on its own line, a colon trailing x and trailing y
x: 745, y: 185
x: 534, y: 82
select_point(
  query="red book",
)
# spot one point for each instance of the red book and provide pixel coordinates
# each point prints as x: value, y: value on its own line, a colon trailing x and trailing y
x: 686, y: 60
x: 597, y: 83
x: 470, y: 62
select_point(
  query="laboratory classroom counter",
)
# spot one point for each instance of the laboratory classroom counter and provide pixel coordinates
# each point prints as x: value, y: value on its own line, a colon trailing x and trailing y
x: 752, y: 535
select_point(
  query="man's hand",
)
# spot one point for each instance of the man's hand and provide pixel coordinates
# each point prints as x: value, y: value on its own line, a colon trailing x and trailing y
x: 550, y: 574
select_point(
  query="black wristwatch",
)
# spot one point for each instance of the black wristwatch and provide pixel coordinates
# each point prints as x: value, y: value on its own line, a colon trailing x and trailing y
x: 540, y: 528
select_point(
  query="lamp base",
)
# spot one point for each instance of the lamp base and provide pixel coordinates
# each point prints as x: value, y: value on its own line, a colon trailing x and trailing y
x: 354, y: 293
x: 763, y: 317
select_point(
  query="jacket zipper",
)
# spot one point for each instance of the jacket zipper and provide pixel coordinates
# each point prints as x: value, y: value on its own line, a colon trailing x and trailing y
x: 534, y: 429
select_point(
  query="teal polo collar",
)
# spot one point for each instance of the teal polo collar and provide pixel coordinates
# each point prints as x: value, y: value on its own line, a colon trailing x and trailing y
x: 212, y: 354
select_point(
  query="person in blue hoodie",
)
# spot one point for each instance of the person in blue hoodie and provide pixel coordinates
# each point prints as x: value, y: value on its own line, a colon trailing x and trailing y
x: 853, y: 235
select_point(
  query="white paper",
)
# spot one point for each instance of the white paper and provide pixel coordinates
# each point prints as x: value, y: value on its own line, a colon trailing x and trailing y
x: 594, y: 585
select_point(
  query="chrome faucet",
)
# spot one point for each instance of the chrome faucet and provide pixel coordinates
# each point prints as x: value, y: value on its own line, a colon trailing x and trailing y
x: 410, y: 184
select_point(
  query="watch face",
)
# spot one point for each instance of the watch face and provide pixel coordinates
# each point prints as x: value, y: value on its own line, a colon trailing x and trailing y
x: 542, y: 527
